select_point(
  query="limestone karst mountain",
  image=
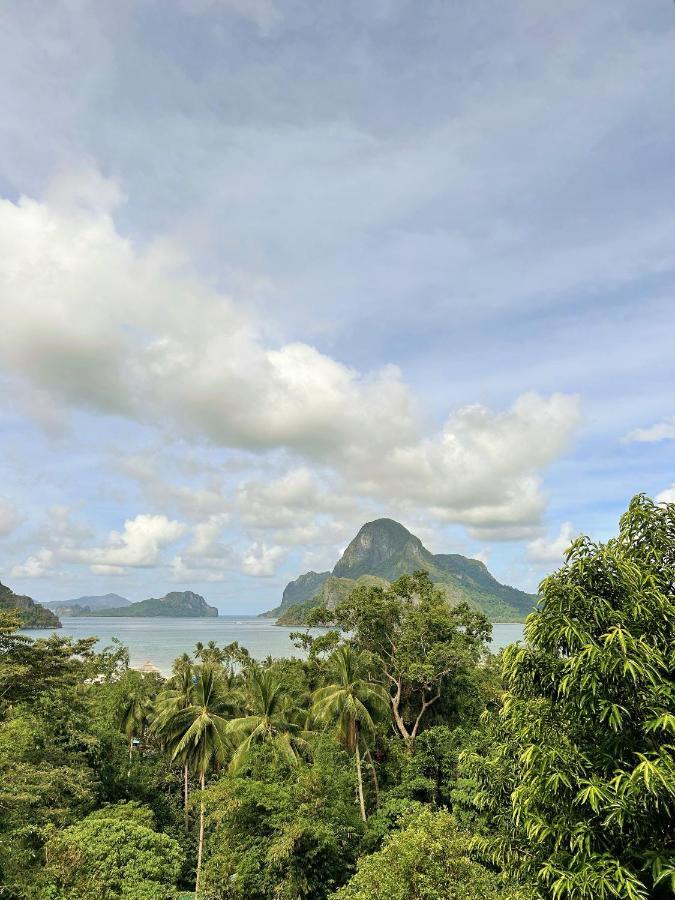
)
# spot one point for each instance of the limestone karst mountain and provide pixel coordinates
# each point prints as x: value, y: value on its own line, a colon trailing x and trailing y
x: 32, y: 614
x: 381, y: 552
x: 176, y: 604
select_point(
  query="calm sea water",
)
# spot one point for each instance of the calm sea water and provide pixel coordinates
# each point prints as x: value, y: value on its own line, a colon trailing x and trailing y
x: 160, y: 641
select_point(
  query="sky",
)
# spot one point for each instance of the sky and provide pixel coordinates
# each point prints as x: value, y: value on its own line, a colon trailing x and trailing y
x: 270, y: 269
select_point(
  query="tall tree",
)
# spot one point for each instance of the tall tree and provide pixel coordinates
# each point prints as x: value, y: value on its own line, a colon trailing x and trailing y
x: 578, y: 790
x: 421, y: 641
x: 175, y: 698
x: 197, y: 733
x: 134, y: 709
x: 351, y: 700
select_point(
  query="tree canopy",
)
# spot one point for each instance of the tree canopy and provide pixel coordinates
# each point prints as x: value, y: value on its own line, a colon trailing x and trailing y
x: 578, y: 788
x: 397, y: 759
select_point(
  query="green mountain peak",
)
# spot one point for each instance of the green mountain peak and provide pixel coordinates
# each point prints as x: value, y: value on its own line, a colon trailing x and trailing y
x: 381, y: 552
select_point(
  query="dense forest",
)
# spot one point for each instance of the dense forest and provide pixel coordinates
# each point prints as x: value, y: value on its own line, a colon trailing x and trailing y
x: 398, y: 759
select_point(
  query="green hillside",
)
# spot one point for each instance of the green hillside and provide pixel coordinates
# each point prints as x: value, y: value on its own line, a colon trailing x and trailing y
x: 176, y: 604
x: 384, y: 550
x: 31, y: 613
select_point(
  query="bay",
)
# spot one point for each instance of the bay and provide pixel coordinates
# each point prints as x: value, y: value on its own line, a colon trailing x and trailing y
x: 160, y: 641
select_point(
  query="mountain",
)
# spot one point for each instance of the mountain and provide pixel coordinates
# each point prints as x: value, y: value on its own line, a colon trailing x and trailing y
x: 176, y: 604
x: 332, y: 591
x: 384, y: 550
x: 32, y: 614
x: 84, y: 605
x: 299, y: 591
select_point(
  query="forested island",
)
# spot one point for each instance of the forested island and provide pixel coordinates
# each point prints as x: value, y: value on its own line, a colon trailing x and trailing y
x: 175, y: 604
x: 398, y: 760
x: 29, y: 613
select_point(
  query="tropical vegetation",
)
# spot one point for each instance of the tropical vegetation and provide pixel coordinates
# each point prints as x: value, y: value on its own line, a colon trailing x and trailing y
x: 395, y: 758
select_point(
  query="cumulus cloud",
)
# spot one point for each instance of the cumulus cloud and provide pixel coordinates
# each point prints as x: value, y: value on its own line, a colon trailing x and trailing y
x: 481, y: 468
x: 138, y: 545
x: 546, y: 550
x: 261, y: 561
x: 661, y: 431
x: 300, y: 507
x: 99, y: 324
x: 209, y: 558
x: 39, y: 565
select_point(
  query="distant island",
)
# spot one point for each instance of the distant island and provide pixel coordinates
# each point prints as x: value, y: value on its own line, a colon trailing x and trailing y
x: 176, y: 604
x: 82, y: 606
x: 32, y: 614
x: 381, y: 552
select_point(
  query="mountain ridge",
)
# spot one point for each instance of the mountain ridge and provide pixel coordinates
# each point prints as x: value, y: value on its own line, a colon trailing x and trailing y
x: 84, y: 605
x: 384, y: 550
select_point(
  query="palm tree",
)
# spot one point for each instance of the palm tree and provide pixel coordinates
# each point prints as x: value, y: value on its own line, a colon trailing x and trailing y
x: 270, y: 721
x: 209, y: 654
x: 197, y: 733
x: 176, y: 697
x: 352, y: 701
x: 133, y: 711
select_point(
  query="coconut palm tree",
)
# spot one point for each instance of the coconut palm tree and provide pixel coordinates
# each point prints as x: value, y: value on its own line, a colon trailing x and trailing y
x: 176, y: 697
x: 272, y: 720
x: 197, y: 733
x: 352, y: 701
x: 133, y: 711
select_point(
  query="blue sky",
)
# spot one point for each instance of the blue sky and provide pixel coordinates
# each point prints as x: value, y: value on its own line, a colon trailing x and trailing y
x: 270, y: 269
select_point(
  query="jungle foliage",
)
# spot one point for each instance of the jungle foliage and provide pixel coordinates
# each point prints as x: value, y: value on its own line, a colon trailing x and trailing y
x: 397, y: 759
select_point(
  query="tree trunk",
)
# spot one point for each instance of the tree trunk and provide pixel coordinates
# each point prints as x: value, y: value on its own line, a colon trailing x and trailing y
x: 376, y: 784
x: 186, y: 795
x: 200, y: 847
x: 360, y: 781
x: 131, y: 744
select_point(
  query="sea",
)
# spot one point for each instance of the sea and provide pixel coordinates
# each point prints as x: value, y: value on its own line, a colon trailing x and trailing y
x: 160, y: 641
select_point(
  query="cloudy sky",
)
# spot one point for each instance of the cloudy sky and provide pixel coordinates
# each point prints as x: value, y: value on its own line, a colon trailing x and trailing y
x: 273, y: 268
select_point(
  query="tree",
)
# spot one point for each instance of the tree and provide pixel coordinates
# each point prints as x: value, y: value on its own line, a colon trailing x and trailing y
x: 198, y: 733
x: 578, y: 790
x: 114, y: 852
x: 351, y: 700
x: 174, y: 699
x: 281, y: 833
x: 271, y: 719
x: 428, y: 859
x: 423, y: 644
x: 134, y: 708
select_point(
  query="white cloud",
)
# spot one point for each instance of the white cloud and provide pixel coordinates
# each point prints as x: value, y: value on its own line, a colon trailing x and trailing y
x: 138, y: 545
x: 134, y: 350
x: 543, y: 550
x: 661, y: 431
x: 39, y: 565
x: 209, y: 558
x: 481, y: 469
x: 667, y: 495
x: 100, y: 325
x: 262, y: 561
x: 183, y: 571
